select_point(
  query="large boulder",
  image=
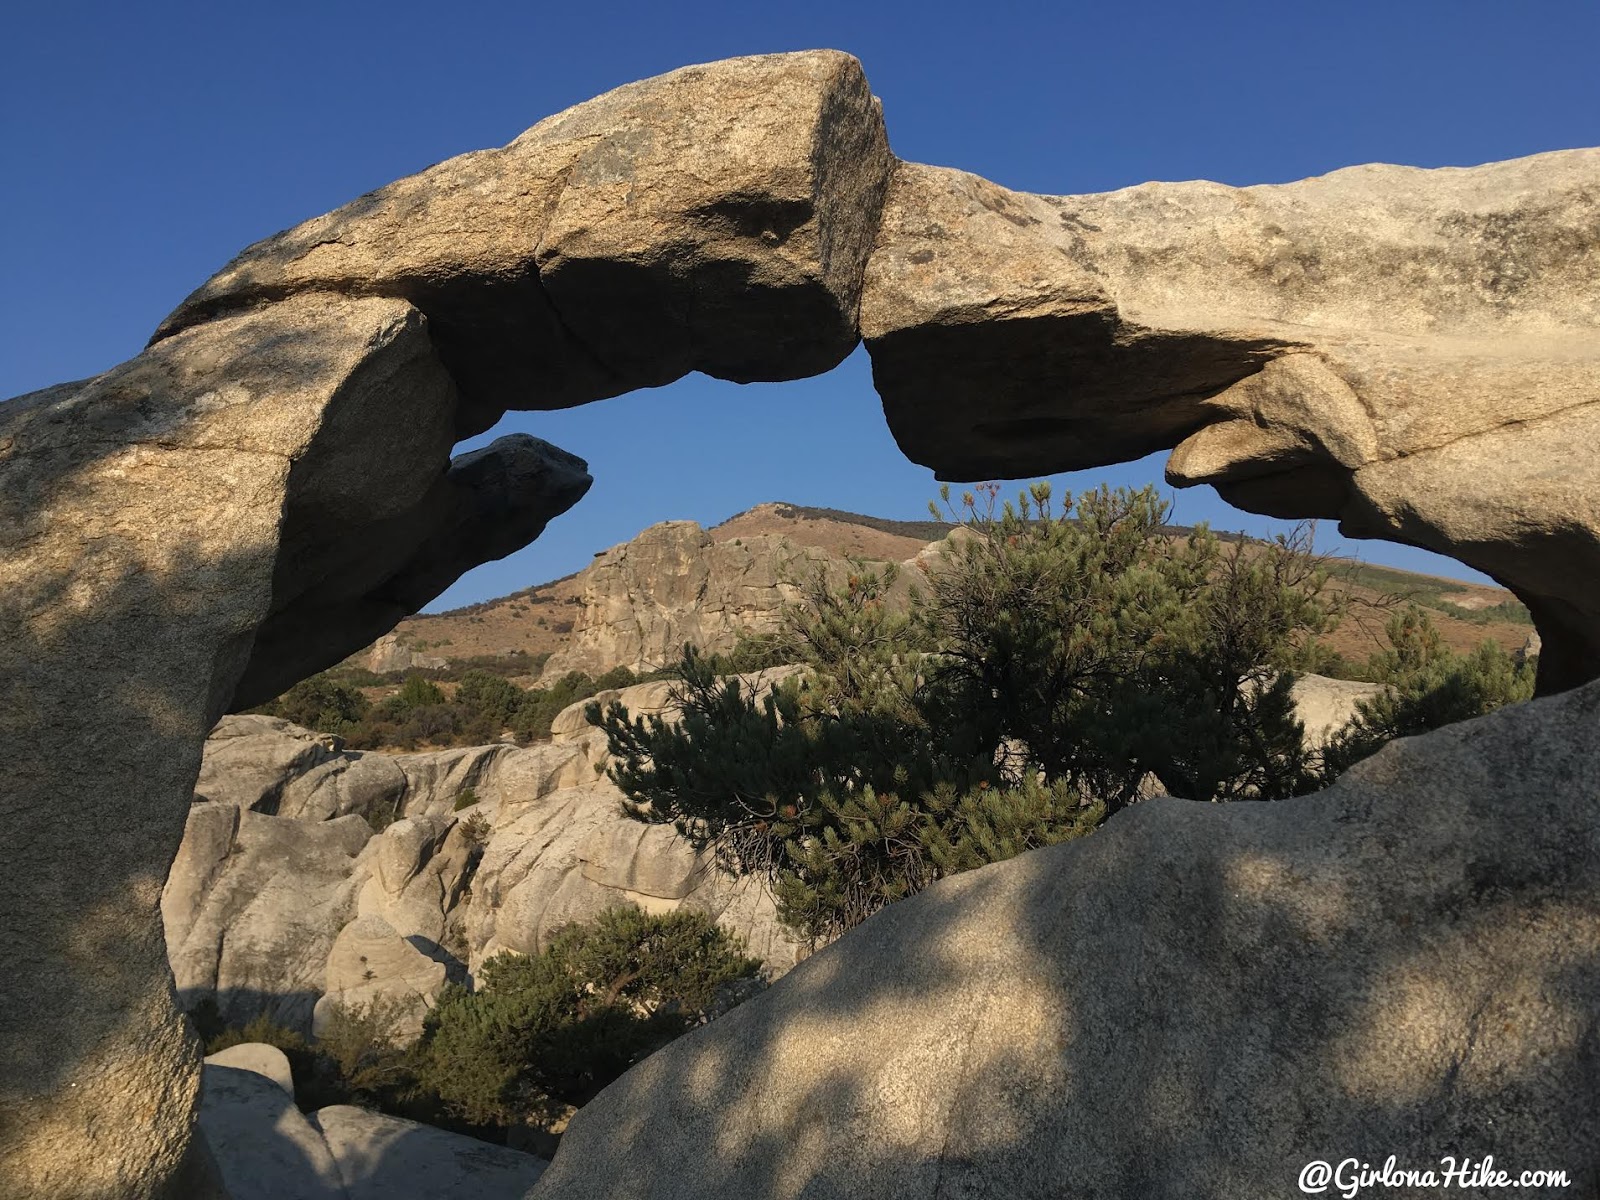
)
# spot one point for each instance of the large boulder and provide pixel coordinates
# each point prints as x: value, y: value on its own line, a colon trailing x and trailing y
x: 265, y: 1060
x: 372, y: 968
x: 380, y: 1157
x: 712, y: 219
x: 1325, y: 705
x: 575, y: 853
x: 258, y: 913
x: 249, y: 760
x: 1196, y: 1001
x: 1411, y: 352
x: 264, y: 1147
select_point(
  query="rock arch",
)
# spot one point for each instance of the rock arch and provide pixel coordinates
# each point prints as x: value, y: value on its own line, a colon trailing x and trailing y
x: 269, y: 486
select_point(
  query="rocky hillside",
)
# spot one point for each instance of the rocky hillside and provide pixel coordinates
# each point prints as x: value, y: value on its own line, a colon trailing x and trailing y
x: 676, y: 582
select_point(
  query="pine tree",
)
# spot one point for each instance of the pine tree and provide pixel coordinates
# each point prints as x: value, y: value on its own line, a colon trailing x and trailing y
x: 1426, y: 686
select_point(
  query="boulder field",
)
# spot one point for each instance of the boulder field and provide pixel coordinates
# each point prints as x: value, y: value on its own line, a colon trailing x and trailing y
x: 270, y: 486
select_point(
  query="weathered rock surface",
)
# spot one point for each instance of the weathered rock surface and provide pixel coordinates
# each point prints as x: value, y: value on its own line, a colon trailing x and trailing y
x: 712, y: 219
x: 267, y: 1061
x: 1412, y: 352
x: 153, y: 521
x: 264, y: 1147
x: 1195, y: 1001
x: 370, y: 964
x: 262, y: 1144
x: 262, y: 915
x: 1325, y: 705
x: 269, y: 486
x: 389, y: 653
x: 250, y: 758
x: 293, y: 912
x: 386, y: 1158
x: 675, y: 584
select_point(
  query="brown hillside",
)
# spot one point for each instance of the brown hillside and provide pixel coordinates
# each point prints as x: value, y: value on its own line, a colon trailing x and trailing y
x: 539, y: 620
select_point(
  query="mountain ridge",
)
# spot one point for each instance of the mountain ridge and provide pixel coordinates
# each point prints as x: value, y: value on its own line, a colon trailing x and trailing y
x: 543, y: 620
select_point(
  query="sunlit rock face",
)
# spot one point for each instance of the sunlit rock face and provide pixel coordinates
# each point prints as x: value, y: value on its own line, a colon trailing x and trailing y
x: 312, y: 877
x: 1415, y: 353
x: 713, y: 219
x: 676, y: 583
x: 1196, y: 1001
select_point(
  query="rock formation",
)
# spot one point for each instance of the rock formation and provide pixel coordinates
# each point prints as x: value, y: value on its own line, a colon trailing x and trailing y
x: 143, y: 567
x: 676, y: 583
x: 1411, y: 352
x: 283, y: 902
x: 1195, y: 1001
x: 268, y: 487
x: 714, y: 219
x: 388, y: 653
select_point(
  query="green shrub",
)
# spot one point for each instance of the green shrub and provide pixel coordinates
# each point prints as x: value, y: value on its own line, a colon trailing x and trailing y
x: 416, y: 692
x: 493, y: 698
x: 320, y: 703
x: 540, y: 706
x: 1427, y: 686
x: 465, y: 798
x: 366, y: 1050
x: 475, y: 829
x: 1113, y: 651
x: 546, y: 1033
x: 359, y: 1059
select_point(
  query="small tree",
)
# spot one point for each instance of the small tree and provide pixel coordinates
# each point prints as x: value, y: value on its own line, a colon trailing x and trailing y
x: 1111, y: 649
x: 1054, y: 664
x: 491, y: 697
x: 321, y: 703
x: 1426, y: 686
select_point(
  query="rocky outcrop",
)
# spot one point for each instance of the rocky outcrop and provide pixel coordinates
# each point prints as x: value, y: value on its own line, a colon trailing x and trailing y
x: 267, y: 1061
x: 676, y: 583
x: 155, y: 524
x: 371, y: 967
x: 389, y: 653
x: 294, y: 908
x: 1411, y: 352
x: 1325, y: 705
x: 269, y: 487
x: 1198, y: 1000
x: 380, y: 1157
x: 264, y: 1147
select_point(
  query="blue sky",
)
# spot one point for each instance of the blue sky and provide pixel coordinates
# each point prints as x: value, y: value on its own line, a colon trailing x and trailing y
x: 146, y: 144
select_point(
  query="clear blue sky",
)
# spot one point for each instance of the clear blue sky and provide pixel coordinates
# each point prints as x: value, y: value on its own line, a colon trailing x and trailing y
x: 144, y: 144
